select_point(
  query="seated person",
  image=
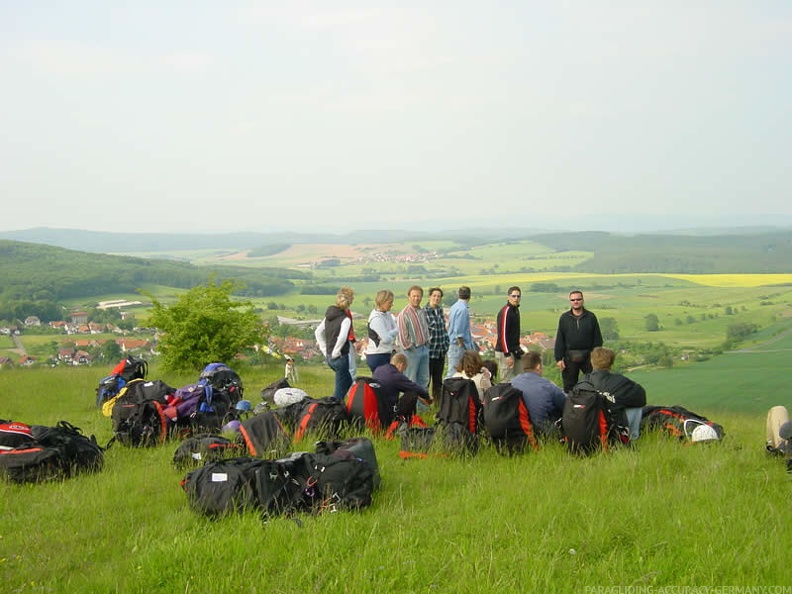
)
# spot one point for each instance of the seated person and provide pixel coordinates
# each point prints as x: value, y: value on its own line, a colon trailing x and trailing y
x: 392, y: 381
x: 629, y: 396
x: 472, y: 367
x: 543, y: 399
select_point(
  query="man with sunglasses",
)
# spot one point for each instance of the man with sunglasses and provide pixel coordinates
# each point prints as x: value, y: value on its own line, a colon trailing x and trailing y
x: 578, y: 334
x: 508, y: 352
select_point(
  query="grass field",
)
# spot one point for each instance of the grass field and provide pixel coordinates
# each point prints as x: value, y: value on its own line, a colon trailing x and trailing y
x: 659, y: 515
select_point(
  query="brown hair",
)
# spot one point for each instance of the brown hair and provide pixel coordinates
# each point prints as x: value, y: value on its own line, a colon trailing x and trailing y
x: 415, y: 288
x: 399, y: 358
x: 602, y: 358
x: 531, y: 360
x: 470, y: 364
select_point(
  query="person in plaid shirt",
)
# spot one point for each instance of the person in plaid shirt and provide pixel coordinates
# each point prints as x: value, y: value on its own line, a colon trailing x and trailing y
x: 438, y: 340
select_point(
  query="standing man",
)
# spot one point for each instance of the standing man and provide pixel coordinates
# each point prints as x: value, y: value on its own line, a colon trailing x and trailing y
x: 414, y: 336
x: 459, y: 336
x: 508, y: 351
x: 438, y: 339
x: 578, y: 334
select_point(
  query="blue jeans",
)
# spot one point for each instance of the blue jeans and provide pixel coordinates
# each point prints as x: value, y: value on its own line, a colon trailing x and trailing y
x: 634, y: 421
x: 374, y: 361
x: 455, y: 353
x: 418, y: 365
x: 343, y: 381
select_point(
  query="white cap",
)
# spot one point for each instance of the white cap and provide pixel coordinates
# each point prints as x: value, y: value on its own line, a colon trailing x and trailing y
x: 704, y: 433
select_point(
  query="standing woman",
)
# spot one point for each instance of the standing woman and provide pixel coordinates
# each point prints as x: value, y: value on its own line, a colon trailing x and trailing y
x: 332, y: 336
x: 382, y: 331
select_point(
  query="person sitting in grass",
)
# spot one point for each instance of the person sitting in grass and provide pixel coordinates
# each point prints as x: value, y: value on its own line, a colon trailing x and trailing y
x: 543, y: 399
x: 628, y: 395
x: 393, y: 382
x: 472, y: 367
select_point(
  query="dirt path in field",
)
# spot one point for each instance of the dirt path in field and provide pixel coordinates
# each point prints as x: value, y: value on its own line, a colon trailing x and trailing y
x: 761, y: 345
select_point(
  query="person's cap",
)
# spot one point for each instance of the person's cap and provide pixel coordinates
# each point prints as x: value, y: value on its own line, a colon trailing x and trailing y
x: 785, y: 430
x: 243, y: 405
x: 703, y: 433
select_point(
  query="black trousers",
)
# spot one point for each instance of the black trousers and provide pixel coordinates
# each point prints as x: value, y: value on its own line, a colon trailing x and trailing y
x: 572, y: 371
x: 436, y: 368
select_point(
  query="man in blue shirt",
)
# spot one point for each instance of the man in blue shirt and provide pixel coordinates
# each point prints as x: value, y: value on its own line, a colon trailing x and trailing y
x: 459, y: 335
x: 544, y: 400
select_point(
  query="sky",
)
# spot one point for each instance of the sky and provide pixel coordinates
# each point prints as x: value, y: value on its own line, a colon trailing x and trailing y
x: 271, y: 115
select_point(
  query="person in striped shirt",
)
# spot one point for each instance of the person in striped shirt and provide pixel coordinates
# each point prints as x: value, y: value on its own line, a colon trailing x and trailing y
x: 414, y: 336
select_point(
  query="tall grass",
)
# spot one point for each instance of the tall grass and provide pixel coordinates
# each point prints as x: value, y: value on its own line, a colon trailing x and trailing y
x: 659, y: 514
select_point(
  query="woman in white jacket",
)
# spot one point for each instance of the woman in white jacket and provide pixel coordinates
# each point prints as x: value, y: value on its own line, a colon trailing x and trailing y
x: 382, y: 331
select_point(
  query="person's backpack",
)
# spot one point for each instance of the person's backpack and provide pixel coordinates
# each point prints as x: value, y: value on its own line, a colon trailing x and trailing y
x: 221, y: 487
x: 138, y: 416
x: 126, y: 370
x: 323, y: 417
x: 199, y: 408
x: 55, y: 453
x: 264, y: 435
x: 458, y: 417
x: 360, y: 447
x: 681, y: 423
x: 268, y: 391
x: 14, y: 434
x: 202, y: 449
x: 366, y: 408
x: 589, y: 422
x: 506, y: 419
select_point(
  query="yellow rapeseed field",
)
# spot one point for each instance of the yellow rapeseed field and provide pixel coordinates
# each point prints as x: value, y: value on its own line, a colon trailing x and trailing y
x: 735, y: 280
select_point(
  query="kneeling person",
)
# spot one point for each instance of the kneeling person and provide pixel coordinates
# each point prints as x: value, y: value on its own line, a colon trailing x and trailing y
x: 392, y: 381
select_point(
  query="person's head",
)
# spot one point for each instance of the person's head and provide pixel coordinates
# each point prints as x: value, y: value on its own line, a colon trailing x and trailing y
x: 492, y: 367
x: 576, y: 300
x: 532, y: 361
x: 602, y: 358
x: 415, y: 295
x: 383, y: 300
x: 470, y: 364
x: 342, y: 300
x: 435, y: 296
x: 349, y: 292
x: 399, y: 361
x: 514, y: 296
x: 464, y: 293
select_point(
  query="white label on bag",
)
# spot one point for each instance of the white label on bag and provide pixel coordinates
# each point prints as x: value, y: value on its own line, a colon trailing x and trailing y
x: 219, y: 477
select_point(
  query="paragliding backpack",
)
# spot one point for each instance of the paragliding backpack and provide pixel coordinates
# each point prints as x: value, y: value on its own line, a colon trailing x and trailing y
x: 589, y: 422
x: 359, y: 447
x: 365, y: 407
x: 50, y: 453
x: 202, y: 449
x: 325, y: 417
x: 138, y: 415
x: 215, y: 393
x: 268, y: 391
x: 126, y: 370
x: 458, y: 417
x: 676, y: 421
x: 506, y: 419
x: 264, y: 435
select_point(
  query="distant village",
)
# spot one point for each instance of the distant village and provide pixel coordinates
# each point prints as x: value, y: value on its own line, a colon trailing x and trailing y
x: 75, y: 350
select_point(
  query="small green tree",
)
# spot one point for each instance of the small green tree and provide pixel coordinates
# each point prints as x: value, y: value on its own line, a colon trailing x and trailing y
x: 609, y: 328
x: 652, y: 322
x: 205, y: 325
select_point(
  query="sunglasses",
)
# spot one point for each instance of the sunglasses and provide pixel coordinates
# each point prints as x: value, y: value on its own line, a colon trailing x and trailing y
x: 576, y: 300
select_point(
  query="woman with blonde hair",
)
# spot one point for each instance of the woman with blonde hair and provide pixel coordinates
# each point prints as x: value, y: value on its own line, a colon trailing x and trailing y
x: 382, y: 331
x: 332, y: 336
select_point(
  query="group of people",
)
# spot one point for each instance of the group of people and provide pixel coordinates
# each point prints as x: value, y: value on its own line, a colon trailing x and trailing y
x: 413, y: 351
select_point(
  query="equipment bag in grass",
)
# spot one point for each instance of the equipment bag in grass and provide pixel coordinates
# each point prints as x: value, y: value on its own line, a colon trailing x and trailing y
x: 506, y: 419
x: 459, y: 416
x: 223, y: 487
x: 138, y: 415
x: 14, y: 434
x: 323, y: 417
x: 360, y: 447
x: 264, y: 435
x: 677, y: 421
x: 55, y: 453
x: 366, y: 408
x: 202, y: 449
x: 589, y: 422
x: 340, y: 481
x: 417, y: 442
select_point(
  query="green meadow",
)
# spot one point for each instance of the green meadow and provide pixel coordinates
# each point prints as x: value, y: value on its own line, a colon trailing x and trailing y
x: 662, y: 514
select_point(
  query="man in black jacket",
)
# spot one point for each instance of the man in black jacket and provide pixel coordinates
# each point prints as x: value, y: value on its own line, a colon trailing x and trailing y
x: 628, y: 396
x: 578, y: 333
x: 508, y: 352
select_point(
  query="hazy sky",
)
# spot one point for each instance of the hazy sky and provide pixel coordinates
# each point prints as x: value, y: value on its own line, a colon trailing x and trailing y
x: 195, y: 115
